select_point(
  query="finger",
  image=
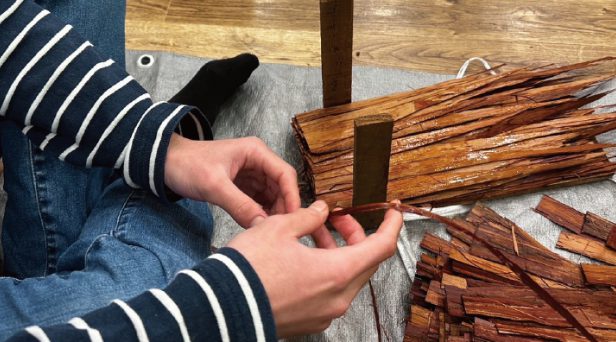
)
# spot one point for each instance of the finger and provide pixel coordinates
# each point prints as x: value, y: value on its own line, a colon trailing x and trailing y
x: 243, y: 209
x: 392, y: 219
x: 283, y: 174
x: 375, y: 248
x: 323, y: 238
x: 350, y: 230
x: 308, y: 220
x: 279, y: 207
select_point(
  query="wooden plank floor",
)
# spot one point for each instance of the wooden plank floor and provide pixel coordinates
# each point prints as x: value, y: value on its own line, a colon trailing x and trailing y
x: 432, y: 36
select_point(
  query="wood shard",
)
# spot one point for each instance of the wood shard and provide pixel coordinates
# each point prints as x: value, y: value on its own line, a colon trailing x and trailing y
x: 599, y: 274
x: 455, y: 281
x: 597, y: 226
x: 561, y: 214
x: 611, y: 239
x: 547, y: 333
x: 586, y: 246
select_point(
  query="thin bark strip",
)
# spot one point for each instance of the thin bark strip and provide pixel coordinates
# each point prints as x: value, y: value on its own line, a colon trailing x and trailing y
x: 561, y: 214
x: 600, y: 274
x: 611, y: 239
x: 586, y: 246
x: 597, y: 226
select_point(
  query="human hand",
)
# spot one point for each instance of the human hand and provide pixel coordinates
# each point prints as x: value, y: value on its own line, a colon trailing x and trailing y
x: 242, y: 176
x: 309, y: 287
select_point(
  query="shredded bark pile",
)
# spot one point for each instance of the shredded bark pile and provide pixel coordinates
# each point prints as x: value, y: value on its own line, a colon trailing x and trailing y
x: 462, y: 291
x: 467, y: 139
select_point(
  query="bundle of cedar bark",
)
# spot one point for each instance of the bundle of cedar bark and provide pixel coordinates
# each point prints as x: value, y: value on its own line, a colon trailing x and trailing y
x: 463, y: 292
x: 466, y: 139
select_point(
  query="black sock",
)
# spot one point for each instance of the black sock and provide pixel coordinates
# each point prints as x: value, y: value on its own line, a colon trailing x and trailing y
x: 215, y: 82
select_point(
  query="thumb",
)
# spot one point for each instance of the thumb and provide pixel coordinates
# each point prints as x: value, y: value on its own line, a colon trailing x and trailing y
x: 308, y: 220
x: 243, y: 209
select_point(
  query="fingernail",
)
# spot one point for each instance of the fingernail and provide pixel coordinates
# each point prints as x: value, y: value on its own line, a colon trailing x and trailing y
x: 257, y: 220
x: 319, y: 206
x: 397, y: 201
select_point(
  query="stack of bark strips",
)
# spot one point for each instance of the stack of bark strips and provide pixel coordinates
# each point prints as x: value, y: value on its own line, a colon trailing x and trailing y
x: 589, y: 235
x: 462, y: 292
x: 478, y: 137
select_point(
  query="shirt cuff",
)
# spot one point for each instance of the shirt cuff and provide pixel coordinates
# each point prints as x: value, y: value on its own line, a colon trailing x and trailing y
x: 146, y: 152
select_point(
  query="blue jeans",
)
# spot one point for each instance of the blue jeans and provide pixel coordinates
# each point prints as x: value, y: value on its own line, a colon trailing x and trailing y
x: 74, y: 238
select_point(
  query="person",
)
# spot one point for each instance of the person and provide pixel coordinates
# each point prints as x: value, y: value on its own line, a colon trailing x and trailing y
x: 93, y: 169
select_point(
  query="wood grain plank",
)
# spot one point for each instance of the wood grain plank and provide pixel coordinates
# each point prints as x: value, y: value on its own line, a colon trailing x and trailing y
x: 433, y: 36
x: 336, y: 17
x: 153, y: 10
x: 280, y: 14
x: 213, y: 41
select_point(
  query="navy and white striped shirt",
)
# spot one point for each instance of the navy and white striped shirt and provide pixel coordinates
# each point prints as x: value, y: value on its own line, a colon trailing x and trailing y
x: 88, y: 111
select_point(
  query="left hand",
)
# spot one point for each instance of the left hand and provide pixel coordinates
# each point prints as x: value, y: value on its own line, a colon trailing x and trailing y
x: 242, y: 176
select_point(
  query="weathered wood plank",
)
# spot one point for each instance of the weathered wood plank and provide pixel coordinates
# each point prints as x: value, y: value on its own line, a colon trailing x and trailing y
x: 336, y: 51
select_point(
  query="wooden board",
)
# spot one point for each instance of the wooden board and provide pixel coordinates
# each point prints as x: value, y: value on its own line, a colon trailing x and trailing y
x: 433, y: 36
x: 371, y: 148
x: 336, y: 51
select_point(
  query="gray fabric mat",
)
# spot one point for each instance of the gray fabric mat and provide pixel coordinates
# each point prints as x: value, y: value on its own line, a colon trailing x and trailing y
x: 264, y: 107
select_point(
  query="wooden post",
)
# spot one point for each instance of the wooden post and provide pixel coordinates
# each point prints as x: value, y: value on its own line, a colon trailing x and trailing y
x: 336, y: 51
x: 371, y: 152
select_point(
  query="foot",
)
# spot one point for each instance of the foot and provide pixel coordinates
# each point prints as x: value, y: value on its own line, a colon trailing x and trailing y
x: 215, y: 82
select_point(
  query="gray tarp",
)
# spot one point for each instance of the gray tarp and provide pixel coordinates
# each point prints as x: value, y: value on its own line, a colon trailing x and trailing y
x: 264, y: 108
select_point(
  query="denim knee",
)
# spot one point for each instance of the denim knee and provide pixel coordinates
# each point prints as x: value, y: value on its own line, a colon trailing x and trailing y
x: 177, y: 234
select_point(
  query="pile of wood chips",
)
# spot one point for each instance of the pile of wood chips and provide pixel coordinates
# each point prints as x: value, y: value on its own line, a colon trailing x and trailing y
x: 463, y: 292
x: 467, y: 139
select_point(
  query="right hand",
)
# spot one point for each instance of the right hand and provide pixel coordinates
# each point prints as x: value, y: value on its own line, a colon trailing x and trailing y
x: 309, y: 287
x: 242, y: 176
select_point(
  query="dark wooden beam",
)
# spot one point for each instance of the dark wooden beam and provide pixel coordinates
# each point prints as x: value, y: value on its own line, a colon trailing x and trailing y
x: 336, y: 51
x: 372, y: 148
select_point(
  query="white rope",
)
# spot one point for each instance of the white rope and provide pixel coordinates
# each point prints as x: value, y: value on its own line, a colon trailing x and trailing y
x: 464, y: 66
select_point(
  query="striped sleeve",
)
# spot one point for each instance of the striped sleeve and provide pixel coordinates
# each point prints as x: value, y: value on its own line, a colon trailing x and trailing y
x: 79, y: 106
x: 222, y: 299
